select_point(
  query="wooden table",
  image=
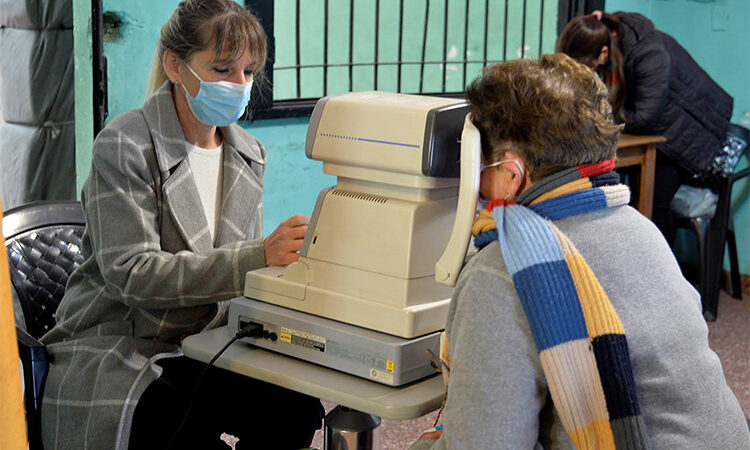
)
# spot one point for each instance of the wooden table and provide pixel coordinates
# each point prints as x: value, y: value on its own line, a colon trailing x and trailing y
x: 640, y: 151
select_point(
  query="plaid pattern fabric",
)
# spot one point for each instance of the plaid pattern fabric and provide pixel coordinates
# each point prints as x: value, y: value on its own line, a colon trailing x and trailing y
x: 151, y: 274
x: 579, y: 337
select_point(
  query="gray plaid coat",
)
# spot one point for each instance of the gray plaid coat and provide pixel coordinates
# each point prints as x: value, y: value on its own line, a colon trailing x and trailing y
x: 151, y: 274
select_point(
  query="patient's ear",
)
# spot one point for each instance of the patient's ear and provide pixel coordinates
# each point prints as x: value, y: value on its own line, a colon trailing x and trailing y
x: 520, y: 180
x: 518, y: 171
x: 171, y: 64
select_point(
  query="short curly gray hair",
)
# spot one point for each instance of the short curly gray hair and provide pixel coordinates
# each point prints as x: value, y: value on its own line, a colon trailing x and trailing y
x: 553, y: 112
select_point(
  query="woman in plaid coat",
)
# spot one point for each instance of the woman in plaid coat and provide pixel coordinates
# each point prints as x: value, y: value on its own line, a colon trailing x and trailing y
x: 173, y: 208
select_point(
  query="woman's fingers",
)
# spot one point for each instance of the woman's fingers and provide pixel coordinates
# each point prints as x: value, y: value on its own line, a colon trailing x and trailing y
x: 297, y: 220
x: 282, y: 245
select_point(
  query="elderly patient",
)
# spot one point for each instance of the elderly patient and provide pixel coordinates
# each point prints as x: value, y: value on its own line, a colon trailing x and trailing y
x: 572, y: 326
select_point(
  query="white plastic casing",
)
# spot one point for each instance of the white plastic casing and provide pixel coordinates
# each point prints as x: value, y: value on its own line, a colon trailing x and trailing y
x: 370, y: 251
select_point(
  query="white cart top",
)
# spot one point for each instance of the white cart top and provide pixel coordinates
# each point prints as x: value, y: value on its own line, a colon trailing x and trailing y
x: 399, y: 403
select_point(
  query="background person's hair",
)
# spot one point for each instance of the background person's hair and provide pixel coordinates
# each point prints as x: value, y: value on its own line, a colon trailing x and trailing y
x: 195, y: 24
x: 553, y: 112
x: 583, y: 39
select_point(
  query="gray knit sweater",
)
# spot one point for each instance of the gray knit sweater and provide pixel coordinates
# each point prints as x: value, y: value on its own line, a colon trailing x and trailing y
x: 498, y: 396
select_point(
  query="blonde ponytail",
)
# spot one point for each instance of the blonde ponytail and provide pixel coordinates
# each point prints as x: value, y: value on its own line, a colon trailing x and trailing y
x: 157, y: 75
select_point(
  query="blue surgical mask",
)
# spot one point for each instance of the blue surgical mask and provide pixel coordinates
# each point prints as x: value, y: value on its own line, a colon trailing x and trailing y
x: 218, y: 103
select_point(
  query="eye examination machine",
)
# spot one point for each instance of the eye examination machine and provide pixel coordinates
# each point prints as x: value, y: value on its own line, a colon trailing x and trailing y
x: 371, y: 290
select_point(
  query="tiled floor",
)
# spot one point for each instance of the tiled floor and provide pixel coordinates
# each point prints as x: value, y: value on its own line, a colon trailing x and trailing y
x: 729, y: 336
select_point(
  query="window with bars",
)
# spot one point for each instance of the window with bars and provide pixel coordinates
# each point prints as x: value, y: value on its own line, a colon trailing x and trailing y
x: 435, y: 47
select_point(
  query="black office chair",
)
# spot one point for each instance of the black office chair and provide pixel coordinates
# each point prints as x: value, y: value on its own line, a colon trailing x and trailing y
x: 713, y: 233
x: 43, y: 242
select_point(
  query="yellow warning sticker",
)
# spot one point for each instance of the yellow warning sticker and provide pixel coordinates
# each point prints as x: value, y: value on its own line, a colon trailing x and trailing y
x: 303, y: 339
x: 389, y: 366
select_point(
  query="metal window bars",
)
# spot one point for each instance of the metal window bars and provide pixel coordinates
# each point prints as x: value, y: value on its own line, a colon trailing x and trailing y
x: 446, y: 25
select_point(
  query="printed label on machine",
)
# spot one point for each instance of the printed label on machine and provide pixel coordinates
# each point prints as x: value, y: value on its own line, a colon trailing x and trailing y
x: 303, y: 339
x: 383, y: 377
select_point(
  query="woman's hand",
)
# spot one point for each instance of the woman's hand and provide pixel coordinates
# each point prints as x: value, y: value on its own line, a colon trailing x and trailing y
x: 281, y: 246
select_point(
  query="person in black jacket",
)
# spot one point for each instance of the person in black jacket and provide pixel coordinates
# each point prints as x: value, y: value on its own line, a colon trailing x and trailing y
x: 655, y: 88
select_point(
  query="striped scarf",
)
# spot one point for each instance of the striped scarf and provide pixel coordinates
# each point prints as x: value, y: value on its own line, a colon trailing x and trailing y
x: 579, y: 337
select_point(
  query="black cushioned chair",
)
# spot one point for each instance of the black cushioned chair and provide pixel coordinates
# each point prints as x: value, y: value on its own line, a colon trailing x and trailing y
x: 43, y: 242
x: 713, y: 233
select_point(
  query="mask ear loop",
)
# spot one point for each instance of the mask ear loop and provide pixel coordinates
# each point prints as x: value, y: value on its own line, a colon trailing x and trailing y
x: 195, y: 75
x: 192, y: 71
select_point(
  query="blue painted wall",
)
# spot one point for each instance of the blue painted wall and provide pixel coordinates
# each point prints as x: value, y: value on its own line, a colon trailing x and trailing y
x: 717, y: 35
x: 293, y: 181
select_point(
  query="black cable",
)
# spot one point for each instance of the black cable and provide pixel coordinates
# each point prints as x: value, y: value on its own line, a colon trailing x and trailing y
x: 251, y: 329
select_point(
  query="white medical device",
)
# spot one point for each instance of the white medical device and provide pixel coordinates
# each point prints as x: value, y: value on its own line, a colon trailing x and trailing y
x: 373, y: 255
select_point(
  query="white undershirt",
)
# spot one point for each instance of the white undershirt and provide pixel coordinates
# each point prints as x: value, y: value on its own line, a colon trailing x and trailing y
x: 206, y: 166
